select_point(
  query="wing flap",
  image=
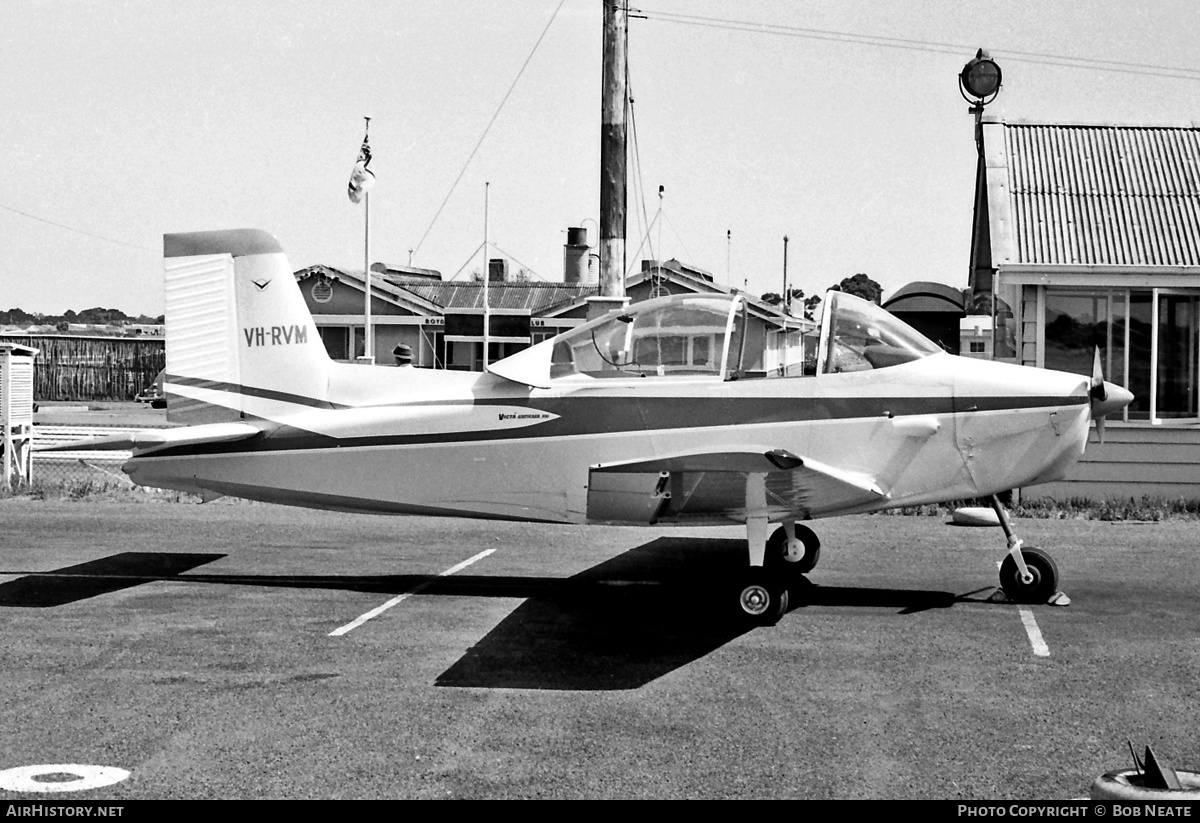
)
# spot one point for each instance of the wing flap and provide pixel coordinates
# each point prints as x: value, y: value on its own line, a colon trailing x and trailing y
x: 738, y: 461
x: 710, y: 485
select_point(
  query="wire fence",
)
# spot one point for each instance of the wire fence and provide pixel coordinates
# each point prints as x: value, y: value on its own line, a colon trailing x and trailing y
x: 78, y: 471
x: 98, y: 475
x: 101, y: 470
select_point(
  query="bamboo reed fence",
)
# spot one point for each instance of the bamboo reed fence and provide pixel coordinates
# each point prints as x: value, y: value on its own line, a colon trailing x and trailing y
x: 93, y: 368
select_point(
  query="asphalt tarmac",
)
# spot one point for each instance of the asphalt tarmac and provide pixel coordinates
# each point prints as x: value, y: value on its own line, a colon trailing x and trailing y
x: 235, y: 650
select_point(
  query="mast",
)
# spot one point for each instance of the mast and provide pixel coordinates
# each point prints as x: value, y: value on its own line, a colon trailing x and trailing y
x: 368, y: 326
x: 487, y: 275
x: 787, y: 300
x: 368, y: 330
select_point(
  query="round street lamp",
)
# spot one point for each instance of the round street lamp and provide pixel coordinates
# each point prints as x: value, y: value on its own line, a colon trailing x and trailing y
x: 979, y: 80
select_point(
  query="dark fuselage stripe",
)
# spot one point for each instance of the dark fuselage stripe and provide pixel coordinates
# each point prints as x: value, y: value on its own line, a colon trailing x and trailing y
x: 249, y: 391
x: 581, y: 416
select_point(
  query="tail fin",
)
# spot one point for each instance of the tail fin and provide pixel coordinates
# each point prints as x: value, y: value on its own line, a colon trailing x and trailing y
x: 240, y: 341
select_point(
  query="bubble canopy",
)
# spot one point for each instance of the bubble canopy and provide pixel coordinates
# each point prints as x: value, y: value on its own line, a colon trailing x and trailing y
x: 669, y: 336
x: 703, y: 336
x: 857, y: 335
x: 674, y: 336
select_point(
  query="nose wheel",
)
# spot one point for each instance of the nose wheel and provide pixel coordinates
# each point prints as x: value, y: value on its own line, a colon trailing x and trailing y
x: 1027, y: 574
x: 1038, y: 586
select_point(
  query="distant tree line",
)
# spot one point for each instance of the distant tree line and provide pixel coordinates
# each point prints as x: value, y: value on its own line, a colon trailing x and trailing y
x: 94, y: 316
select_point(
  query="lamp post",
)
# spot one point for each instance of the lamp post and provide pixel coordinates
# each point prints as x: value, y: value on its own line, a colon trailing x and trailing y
x: 979, y: 83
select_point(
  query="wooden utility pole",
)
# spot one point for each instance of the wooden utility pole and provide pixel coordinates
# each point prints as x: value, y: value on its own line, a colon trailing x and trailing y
x: 612, y: 152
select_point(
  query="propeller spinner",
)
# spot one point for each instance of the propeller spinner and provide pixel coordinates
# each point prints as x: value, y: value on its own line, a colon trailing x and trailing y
x: 1106, y: 397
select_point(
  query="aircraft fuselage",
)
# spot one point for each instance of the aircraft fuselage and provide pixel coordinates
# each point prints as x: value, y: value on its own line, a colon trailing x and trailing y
x: 477, y: 445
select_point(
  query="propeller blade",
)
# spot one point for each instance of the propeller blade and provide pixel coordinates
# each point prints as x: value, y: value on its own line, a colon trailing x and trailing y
x: 1098, y: 390
x: 1106, y: 397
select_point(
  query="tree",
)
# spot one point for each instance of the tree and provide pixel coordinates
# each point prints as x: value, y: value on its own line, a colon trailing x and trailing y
x: 17, y: 317
x: 774, y: 298
x: 809, y: 304
x: 861, y: 286
x: 101, y: 316
x: 810, y: 307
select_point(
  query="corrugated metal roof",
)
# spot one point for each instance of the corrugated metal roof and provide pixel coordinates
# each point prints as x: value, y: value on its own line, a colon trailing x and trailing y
x: 1104, y: 195
x: 537, y: 298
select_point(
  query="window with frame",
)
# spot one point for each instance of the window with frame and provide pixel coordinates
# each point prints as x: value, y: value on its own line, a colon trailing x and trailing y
x: 336, y: 340
x: 1149, y: 342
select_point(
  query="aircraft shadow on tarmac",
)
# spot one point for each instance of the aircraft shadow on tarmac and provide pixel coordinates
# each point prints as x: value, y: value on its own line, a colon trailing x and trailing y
x: 97, y: 577
x: 637, y: 617
x: 618, y: 625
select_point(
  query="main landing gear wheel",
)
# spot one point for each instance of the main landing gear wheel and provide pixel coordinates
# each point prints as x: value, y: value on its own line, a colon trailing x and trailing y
x: 779, y: 558
x: 763, y: 599
x: 1043, y: 570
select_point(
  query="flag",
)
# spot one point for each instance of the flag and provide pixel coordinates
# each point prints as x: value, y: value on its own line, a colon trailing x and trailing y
x: 361, y: 176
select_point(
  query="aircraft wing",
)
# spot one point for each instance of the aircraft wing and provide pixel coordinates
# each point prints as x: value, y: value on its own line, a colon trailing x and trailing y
x: 707, y: 484
x: 145, y: 440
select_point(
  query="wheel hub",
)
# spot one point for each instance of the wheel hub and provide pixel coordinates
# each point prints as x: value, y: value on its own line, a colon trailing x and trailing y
x: 795, y: 551
x: 755, y: 600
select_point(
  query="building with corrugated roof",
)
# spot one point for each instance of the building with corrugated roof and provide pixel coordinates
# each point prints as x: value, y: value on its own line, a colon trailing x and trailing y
x: 441, y: 321
x: 1086, y: 237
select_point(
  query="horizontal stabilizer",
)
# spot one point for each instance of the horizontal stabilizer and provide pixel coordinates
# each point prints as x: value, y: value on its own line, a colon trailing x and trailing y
x: 152, y: 439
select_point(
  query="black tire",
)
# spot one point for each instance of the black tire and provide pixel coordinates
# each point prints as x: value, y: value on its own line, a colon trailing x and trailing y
x: 762, y: 599
x: 777, y: 555
x: 1126, y: 787
x: 1045, y: 577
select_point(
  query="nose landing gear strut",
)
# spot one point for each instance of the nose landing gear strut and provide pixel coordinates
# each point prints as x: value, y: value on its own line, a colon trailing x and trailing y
x: 1028, y: 574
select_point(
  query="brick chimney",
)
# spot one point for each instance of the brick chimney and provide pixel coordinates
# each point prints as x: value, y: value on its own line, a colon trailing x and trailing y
x: 498, y: 270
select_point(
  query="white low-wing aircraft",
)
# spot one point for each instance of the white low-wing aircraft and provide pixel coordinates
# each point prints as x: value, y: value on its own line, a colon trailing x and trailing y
x: 643, y: 416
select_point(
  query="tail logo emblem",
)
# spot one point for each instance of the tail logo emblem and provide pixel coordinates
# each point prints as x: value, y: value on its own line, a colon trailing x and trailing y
x: 261, y: 284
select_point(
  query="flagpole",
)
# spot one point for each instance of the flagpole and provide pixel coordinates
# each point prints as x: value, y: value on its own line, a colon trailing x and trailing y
x: 487, y: 275
x: 368, y: 331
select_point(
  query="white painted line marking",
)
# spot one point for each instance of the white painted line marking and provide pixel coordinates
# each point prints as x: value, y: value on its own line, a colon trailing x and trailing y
x: 1040, y: 649
x: 49, y: 778
x: 358, y: 621
x: 1035, y: 634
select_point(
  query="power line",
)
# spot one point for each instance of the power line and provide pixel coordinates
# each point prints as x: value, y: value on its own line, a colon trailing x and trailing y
x: 1174, y: 72
x: 79, y: 231
x: 488, y: 127
x: 467, y: 262
x: 519, y: 263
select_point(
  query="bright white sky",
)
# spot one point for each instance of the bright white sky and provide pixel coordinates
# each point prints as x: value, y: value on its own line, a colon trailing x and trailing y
x: 125, y: 120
